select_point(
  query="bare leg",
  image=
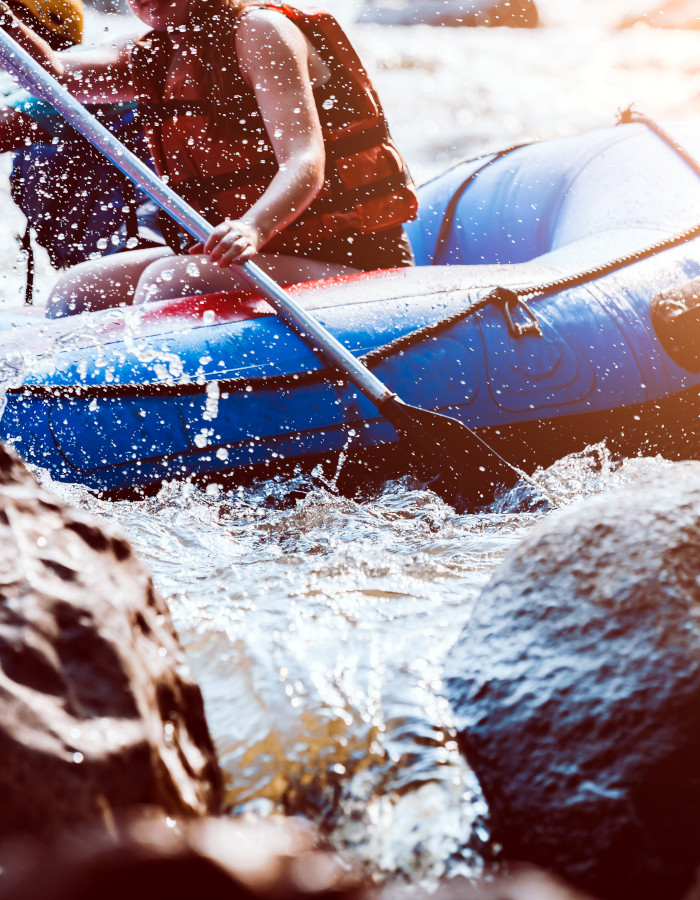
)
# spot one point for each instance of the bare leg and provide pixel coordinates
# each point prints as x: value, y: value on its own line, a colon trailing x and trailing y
x: 101, y: 283
x: 183, y: 276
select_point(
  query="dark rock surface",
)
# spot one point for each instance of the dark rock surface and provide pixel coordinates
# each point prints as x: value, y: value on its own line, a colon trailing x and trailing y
x: 209, y: 859
x: 576, y: 689
x: 98, y: 709
x: 225, y: 859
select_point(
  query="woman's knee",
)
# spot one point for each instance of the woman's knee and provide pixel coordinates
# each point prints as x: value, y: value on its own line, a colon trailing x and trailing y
x: 76, y: 291
x: 154, y: 281
x: 181, y: 276
x: 100, y: 284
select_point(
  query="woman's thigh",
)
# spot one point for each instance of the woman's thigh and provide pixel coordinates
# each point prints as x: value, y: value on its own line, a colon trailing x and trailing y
x: 186, y: 276
x: 101, y: 283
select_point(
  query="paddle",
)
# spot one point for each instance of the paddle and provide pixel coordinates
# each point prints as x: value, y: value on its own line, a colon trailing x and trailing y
x: 439, y: 441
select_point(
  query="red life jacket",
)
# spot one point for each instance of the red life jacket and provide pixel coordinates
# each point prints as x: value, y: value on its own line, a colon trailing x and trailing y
x: 223, y: 170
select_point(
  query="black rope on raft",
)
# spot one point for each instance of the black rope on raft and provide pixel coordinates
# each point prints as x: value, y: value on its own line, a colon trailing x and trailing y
x: 545, y: 289
x: 631, y: 116
x: 528, y: 292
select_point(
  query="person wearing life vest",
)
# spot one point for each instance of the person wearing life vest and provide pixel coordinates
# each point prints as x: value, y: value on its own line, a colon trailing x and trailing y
x: 77, y: 204
x: 60, y: 24
x: 263, y: 117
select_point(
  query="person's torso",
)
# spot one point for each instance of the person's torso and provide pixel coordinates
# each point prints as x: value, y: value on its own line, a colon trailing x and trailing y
x: 223, y: 162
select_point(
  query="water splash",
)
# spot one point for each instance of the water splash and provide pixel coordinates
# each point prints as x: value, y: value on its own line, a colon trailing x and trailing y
x: 575, y: 476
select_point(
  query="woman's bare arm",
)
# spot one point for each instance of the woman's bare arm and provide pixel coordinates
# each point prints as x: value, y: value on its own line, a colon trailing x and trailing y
x: 101, y: 75
x: 273, y: 56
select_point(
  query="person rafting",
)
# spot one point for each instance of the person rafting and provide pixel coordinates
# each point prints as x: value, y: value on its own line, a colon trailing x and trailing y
x: 77, y: 204
x: 262, y: 117
x: 60, y: 24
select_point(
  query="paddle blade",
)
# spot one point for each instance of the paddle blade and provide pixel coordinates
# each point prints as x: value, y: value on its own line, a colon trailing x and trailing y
x: 452, y: 458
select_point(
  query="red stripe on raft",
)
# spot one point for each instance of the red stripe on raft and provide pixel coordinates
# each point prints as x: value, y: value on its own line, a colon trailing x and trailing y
x: 237, y: 306
x: 127, y: 323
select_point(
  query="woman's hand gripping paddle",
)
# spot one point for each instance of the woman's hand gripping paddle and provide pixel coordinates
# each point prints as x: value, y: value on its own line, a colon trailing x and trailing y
x: 442, y: 445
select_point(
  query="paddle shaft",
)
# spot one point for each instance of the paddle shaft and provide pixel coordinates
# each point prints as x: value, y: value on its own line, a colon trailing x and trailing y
x: 27, y: 70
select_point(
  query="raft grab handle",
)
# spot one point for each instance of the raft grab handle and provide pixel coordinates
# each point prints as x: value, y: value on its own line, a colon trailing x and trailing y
x: 508, y: 301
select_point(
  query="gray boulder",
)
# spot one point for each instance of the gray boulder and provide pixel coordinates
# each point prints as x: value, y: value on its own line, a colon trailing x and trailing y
x: 98, y: 709
x: 576, y: 690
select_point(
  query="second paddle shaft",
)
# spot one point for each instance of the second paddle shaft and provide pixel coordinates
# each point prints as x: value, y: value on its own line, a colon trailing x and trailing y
x: 27, y: 70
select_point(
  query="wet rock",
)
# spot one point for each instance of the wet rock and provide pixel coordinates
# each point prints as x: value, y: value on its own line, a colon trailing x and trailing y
x: 210, y: 858
x: 576, y: 690
x: 98, y: 709
x: 221, y: 859
x: 470, y: 13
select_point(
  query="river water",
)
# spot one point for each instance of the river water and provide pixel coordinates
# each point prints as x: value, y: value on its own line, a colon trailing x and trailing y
x: 317, y: 625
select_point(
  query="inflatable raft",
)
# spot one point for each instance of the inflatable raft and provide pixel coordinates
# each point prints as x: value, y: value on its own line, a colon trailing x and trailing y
x: 544, y: 312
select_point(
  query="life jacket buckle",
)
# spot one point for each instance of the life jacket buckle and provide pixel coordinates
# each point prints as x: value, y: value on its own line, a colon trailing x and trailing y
x: 508, y: 301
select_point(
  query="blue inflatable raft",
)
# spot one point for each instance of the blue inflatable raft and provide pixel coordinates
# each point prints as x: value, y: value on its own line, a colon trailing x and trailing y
x: 542, y: 313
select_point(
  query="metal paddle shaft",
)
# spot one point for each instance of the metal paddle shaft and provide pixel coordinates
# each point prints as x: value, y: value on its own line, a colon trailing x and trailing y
x: 427, y: 431
x: 20, y: 64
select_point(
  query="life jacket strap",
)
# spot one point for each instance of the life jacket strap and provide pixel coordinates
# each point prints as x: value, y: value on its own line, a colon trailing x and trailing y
x: 343, y: 200
x: 28, y: 249
x: 201, y: 188
x: 156, y: 113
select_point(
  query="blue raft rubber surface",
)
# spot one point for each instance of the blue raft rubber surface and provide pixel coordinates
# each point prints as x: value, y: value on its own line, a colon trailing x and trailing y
x: 209, y: 386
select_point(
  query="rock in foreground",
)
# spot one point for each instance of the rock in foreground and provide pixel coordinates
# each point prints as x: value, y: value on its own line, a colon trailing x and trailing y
x: 576, y: 689
x: 98, y: 710
x: 220, y: 859
x: 149, y: 858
